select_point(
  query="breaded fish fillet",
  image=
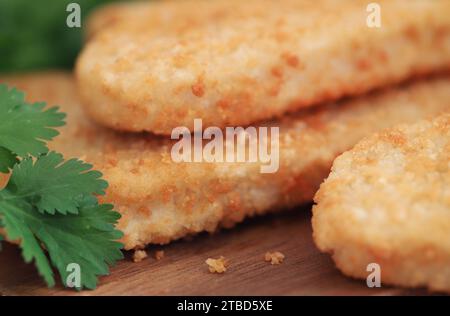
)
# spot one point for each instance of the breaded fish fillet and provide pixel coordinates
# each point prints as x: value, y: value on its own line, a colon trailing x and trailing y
x: 161, y: 200
x: 160, y: 65
x: 387, y: 201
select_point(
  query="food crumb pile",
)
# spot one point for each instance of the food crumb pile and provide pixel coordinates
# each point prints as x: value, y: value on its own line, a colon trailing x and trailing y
x: 217, y: 265
x: 139, y: 255
x: 274, y: 257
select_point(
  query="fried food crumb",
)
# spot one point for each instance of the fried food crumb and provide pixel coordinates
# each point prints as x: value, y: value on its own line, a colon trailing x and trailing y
x: 159, y: 254
x: 217, y: 265
x: 139, y: 255
x: 274, y: 257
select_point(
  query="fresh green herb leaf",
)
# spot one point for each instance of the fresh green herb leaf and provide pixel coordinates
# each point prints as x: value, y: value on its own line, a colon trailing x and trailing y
x: 7, y: 160
x: 49, y: 204
x: 17, y: 229
x: 25, y: 127
x: 87, y: 238
x: 54, y: 185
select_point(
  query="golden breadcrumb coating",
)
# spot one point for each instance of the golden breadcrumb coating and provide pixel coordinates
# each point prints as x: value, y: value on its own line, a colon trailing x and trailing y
x: 274, y: 258
x: 161, y: 200
x: 387, y: 201
x: 234, y: 62
x: 3, y: 180
x: 217, y: 265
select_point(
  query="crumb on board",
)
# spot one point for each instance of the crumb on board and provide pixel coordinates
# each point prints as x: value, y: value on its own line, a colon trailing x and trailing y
x: 139, y: 255
x: 274, y: 257
x: 159, y: 254
x: 217, y: 265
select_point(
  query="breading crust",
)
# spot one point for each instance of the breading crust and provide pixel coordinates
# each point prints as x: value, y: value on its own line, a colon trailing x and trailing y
x: 161, y: 200
x: 155, y: 66
x: 387, y: 201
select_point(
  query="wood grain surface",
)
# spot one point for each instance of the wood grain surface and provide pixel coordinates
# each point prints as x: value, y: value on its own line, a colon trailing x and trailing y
x: 183, y: 271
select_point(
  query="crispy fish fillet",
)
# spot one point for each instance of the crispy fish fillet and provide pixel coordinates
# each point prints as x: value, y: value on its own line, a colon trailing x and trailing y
x: 161, y: 200
x: 387, y: 201
x: 159, y: 65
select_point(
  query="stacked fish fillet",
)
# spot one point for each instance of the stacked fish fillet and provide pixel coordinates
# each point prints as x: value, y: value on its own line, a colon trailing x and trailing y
x: 315, y: 69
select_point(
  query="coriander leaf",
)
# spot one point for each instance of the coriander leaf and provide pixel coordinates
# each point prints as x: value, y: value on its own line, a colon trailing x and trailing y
x: 15, y: 230
x: 24, y: 127
x: 54, y: 185
x: 7, y: 160
x: 87, y: 238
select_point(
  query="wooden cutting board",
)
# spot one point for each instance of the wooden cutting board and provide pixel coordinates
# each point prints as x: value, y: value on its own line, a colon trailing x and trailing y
x: 183, y: 271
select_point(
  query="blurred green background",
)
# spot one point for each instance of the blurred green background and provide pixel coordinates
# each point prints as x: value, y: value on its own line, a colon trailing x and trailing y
x: 34, y: 34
